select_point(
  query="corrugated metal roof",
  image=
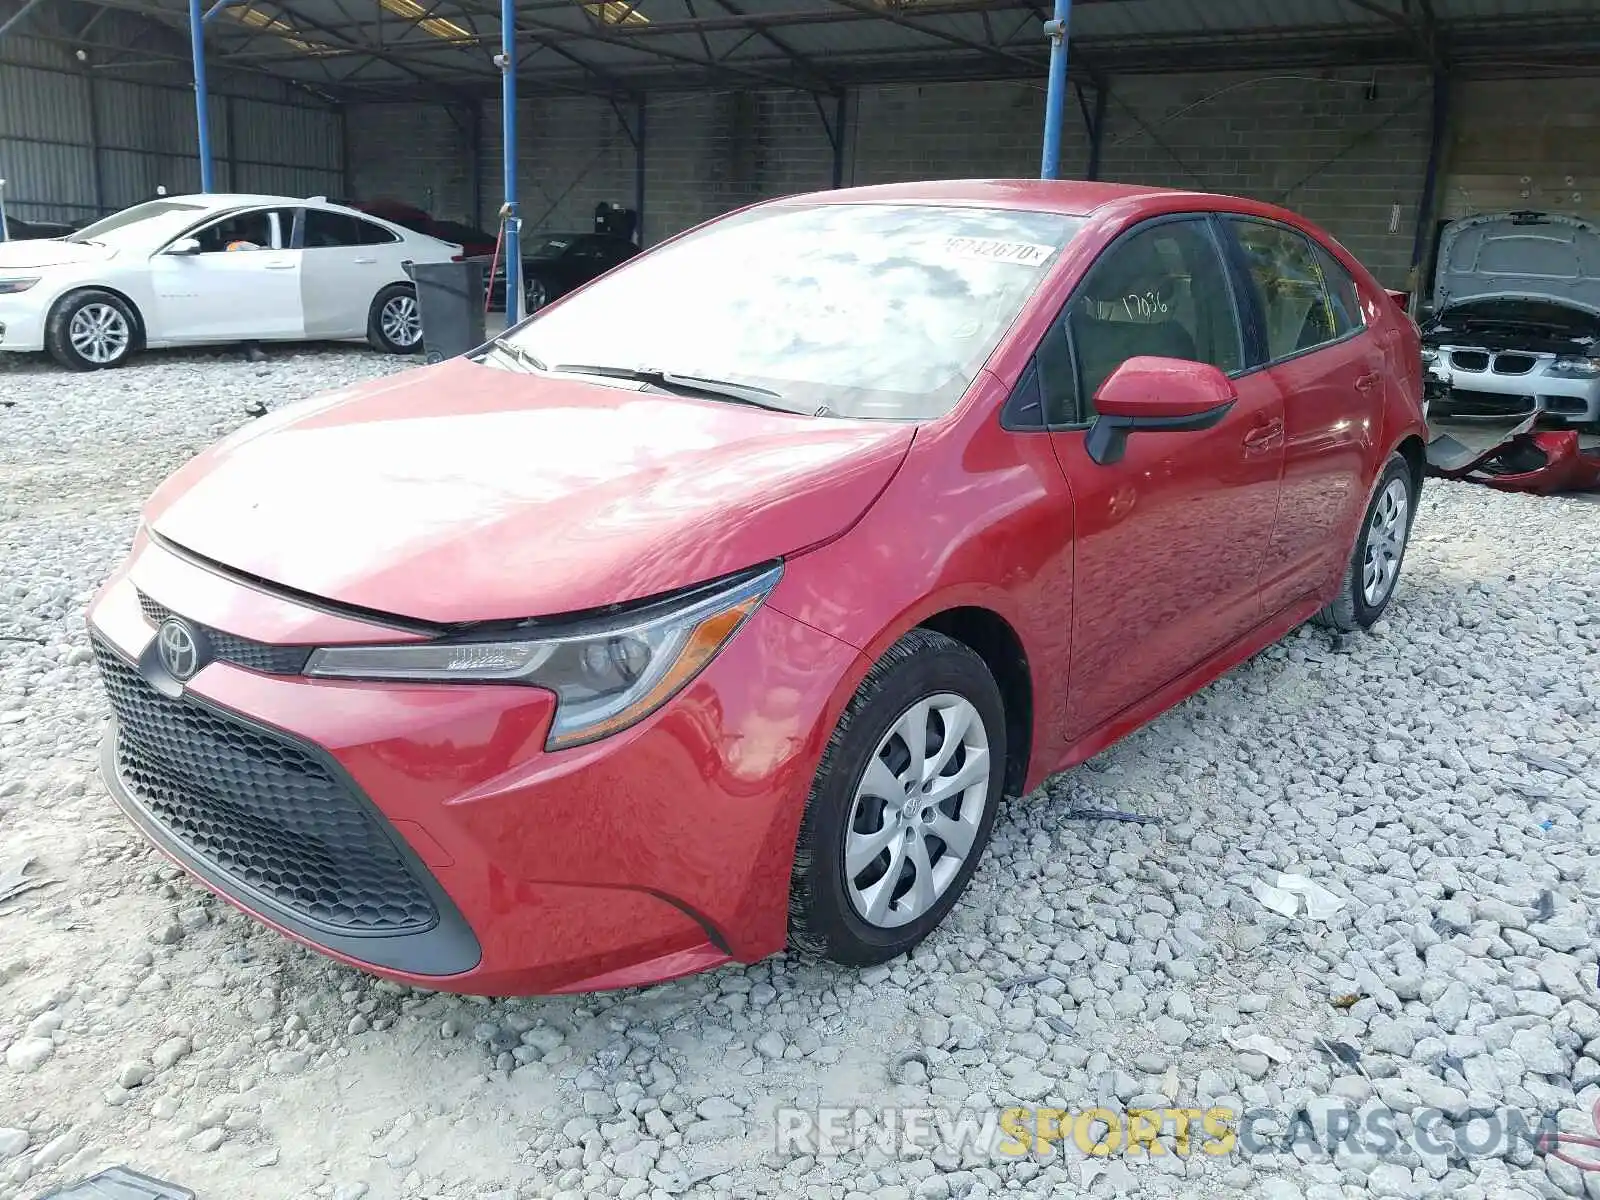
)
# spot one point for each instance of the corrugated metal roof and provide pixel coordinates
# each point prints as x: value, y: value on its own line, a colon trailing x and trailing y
x: 356, y: 48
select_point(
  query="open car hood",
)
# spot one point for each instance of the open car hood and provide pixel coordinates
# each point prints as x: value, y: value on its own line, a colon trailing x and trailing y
x: 1542, y: 257
x: 461, y: 493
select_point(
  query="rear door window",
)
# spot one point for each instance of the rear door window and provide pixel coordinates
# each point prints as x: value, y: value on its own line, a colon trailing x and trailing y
x: 1287, y: 278
x: 1342, y: 294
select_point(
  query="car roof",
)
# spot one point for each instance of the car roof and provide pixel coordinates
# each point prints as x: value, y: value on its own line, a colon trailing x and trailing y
x: 1070, y: 197
x: 220, y: 201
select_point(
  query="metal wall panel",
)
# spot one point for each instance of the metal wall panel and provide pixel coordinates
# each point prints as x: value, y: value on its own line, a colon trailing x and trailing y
x: 275, y: 133
x: 53, y: 115
x: 43, y: 104
x: 47, y: 182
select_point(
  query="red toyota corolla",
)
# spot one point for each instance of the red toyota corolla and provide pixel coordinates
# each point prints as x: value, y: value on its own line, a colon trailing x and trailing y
x: 717, y: 606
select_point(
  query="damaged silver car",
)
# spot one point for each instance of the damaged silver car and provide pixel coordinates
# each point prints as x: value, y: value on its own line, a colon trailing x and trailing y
x: 1515, y: 323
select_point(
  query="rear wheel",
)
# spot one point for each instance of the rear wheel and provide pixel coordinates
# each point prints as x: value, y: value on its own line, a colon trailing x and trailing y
x: 91, y: 330
x: 535, y: 297
x: 394, y: 323
x: 902, y: 805
x: 1373, y: 572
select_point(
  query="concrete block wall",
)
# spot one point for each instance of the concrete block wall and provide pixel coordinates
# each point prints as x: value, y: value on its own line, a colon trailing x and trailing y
x: 1344, y: 147
x: 573, y: 152
x: 419, y: 153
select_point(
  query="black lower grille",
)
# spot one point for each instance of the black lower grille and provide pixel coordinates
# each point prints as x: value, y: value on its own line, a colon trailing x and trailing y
x: 230, y: 648
x: 1468, y: 403
x: 262, y: 809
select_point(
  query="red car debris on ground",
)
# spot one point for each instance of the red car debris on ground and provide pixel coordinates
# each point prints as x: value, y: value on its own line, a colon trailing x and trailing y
x: 716, y: 607
x: 1545, y: 461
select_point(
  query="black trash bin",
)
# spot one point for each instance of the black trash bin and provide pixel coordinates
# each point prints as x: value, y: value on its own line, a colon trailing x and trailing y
x: 450, y: 300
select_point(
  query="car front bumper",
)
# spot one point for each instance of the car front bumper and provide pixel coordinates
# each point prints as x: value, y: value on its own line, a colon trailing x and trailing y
x: 1489, y: 390
x: 423, y: 832
x: 21, y: 324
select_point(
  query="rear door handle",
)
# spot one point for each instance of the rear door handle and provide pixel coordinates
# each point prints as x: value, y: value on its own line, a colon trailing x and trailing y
x: 280, y: 265
x: 1264, y: 437
x: 1369, y: 381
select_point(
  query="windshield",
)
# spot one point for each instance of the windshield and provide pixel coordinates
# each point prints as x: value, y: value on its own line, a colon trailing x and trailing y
x: 143, y: 223
x: 884, y: 311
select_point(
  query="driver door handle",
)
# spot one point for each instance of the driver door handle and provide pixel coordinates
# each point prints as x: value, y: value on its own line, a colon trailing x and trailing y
x: 280, y: 264
x: 1368, y: 381
x: 366, y: 261
x: 1264, y: 437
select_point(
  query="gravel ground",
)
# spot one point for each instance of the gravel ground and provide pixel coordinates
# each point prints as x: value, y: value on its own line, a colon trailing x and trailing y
x: 1439, y: 778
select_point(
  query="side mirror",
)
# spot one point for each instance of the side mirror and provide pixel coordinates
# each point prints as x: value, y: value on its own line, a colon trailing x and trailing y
x: 1171, y: 395
x: 185, y: 246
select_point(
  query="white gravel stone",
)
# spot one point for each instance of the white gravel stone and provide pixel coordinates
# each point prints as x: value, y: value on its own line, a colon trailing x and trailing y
x: 28, y: 1054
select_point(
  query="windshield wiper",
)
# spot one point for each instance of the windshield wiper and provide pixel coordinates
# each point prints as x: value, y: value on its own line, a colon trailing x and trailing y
x: 691, y: 385
x: 514, y: 351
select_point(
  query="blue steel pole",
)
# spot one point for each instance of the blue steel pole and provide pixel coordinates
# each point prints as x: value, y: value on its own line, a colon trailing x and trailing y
x: 508, y: 150
x: 1055, y: 102
x: 197, y: 48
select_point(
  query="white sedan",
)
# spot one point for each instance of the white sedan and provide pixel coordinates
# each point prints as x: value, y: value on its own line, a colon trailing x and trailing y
x: 191, y: 270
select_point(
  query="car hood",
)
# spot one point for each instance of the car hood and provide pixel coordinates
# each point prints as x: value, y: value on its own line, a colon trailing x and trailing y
x: 47, y: 252
x: 461, y: 492
x: 1548, y: 257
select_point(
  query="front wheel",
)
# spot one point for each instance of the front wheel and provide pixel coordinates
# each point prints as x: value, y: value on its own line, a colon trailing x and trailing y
x: 394, y: 323
x: 91, y: 330
x: 902, y: 805
x: 1373, y: 572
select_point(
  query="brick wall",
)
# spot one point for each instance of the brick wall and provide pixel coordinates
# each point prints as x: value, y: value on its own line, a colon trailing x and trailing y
x: 1343, y: 147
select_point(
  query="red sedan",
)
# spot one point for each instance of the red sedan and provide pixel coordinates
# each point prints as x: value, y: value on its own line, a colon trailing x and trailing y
x: 719, y: 606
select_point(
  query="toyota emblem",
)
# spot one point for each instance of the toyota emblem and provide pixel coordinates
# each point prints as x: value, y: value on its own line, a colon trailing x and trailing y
x: 179, y: 651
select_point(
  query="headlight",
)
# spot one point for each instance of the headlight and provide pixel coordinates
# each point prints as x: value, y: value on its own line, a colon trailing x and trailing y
x: 607, y: 673
x: 1575, y: 368
x: 10, y: 287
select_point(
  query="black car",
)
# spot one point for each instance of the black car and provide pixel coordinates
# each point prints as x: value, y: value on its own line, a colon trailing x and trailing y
x: 18, y: 230
x: 554, y: 264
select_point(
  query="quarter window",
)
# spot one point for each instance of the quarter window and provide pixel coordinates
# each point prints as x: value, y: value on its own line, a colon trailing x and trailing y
x: 1163, y: 292
x: 1288, y: 280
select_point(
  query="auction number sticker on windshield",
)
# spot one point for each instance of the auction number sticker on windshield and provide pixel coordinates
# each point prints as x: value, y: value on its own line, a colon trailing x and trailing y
x: 1023, y: 254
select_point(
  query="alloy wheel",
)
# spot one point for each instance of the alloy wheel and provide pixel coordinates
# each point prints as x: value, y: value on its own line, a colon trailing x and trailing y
x: 917, y: 811
x: 1386, y: 542
x: 401, y: 320
x: 99, y: 332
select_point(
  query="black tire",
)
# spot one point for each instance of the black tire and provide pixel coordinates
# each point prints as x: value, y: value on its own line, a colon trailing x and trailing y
x: 535, y: 296
x: 381, y: 338
x: 105, y: 310
x: 1351, y: 609
x: 823, y: 922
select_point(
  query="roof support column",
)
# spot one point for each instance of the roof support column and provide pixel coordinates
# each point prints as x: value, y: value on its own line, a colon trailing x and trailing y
x: 197, y: 52
x: 1439, y: 124
x: 1055, y: 102
x: 1094, y: 124
x: 509, y: 218
x: 202, y: 114
x: 638, y: 170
